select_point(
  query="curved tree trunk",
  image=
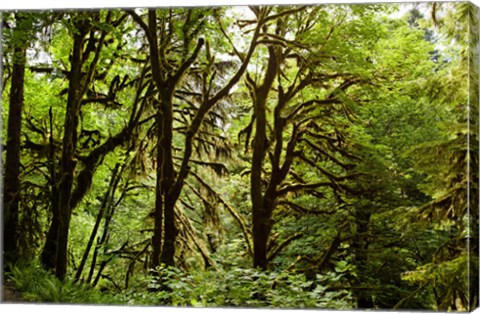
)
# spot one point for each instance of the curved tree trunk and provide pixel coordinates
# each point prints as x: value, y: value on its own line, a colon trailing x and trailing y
x: 170, y: 184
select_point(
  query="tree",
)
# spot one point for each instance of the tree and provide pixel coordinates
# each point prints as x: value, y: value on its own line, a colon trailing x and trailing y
x: 19, y: 42
x: 311, y: 106
x: 82, y: 76
x: 453, y: 184
x: 167, y: 76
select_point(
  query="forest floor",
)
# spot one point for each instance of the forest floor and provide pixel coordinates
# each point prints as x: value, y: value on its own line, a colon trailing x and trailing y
x: 10, y: 294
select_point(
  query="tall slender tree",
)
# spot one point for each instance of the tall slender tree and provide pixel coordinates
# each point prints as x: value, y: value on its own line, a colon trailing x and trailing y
x: 11, y: 199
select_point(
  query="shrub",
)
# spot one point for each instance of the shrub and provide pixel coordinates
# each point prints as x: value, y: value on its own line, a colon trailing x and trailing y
x: 38, y: 285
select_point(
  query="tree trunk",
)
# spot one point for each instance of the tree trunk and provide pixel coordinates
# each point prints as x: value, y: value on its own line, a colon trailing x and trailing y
x: 84, y: 181
x: 261, y: 205
x: 68, y: 163
x: 12, y: 164
x: 360, y: 247
x: 105, y: 203
x: 103, y: 241
x: 169, y: 184
x: 158, y: 213
x: 260, y: 224
x: 168, y: 249
x: 48, y: 255
x: 261, y: 234
x: 78, y: 83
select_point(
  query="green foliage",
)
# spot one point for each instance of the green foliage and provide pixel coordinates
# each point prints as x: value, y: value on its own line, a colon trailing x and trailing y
x: 383, y: 108
x: 246, y: 288
x: 447, y: 279
x: 37, y: 285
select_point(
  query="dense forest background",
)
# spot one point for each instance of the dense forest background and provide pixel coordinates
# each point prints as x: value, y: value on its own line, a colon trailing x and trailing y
x: 321, y: 156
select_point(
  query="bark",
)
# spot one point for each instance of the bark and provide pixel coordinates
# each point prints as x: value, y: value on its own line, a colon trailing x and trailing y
x: 167, y: 180
x: 57, y: 239
x: 165, y: 201
x: 262, y: 205
x: 158, y: 213
x: 93, y: 160
x: 174, y: 191
x: 169, y: 185
x: 102, y: 241
x: 68, y: 163
x: 12, y: 163
x: 105, y: 202
x: 360, y: 247
x: 264, y: 198
x: 168, y: 176
x: 83, y: 183
x: 164, y: 121
x: 48, y: 255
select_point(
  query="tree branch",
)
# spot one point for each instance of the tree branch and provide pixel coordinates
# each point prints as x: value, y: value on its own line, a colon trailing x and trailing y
x: 231, y: 210
x: 142, y: 24
x: 304, y: 210
x: 299, y: 187
x: 176, y: 77
x: 281, y: 246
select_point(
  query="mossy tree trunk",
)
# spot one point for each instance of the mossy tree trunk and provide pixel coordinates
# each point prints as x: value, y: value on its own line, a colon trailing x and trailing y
x: 68, y: 162
x: 262, y: 205
x: 54, y: 255
x: 11, y: 199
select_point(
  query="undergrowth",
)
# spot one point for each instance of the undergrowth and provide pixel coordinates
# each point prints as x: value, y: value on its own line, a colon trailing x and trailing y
x: 38, y: 285
x: 202, y: 288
